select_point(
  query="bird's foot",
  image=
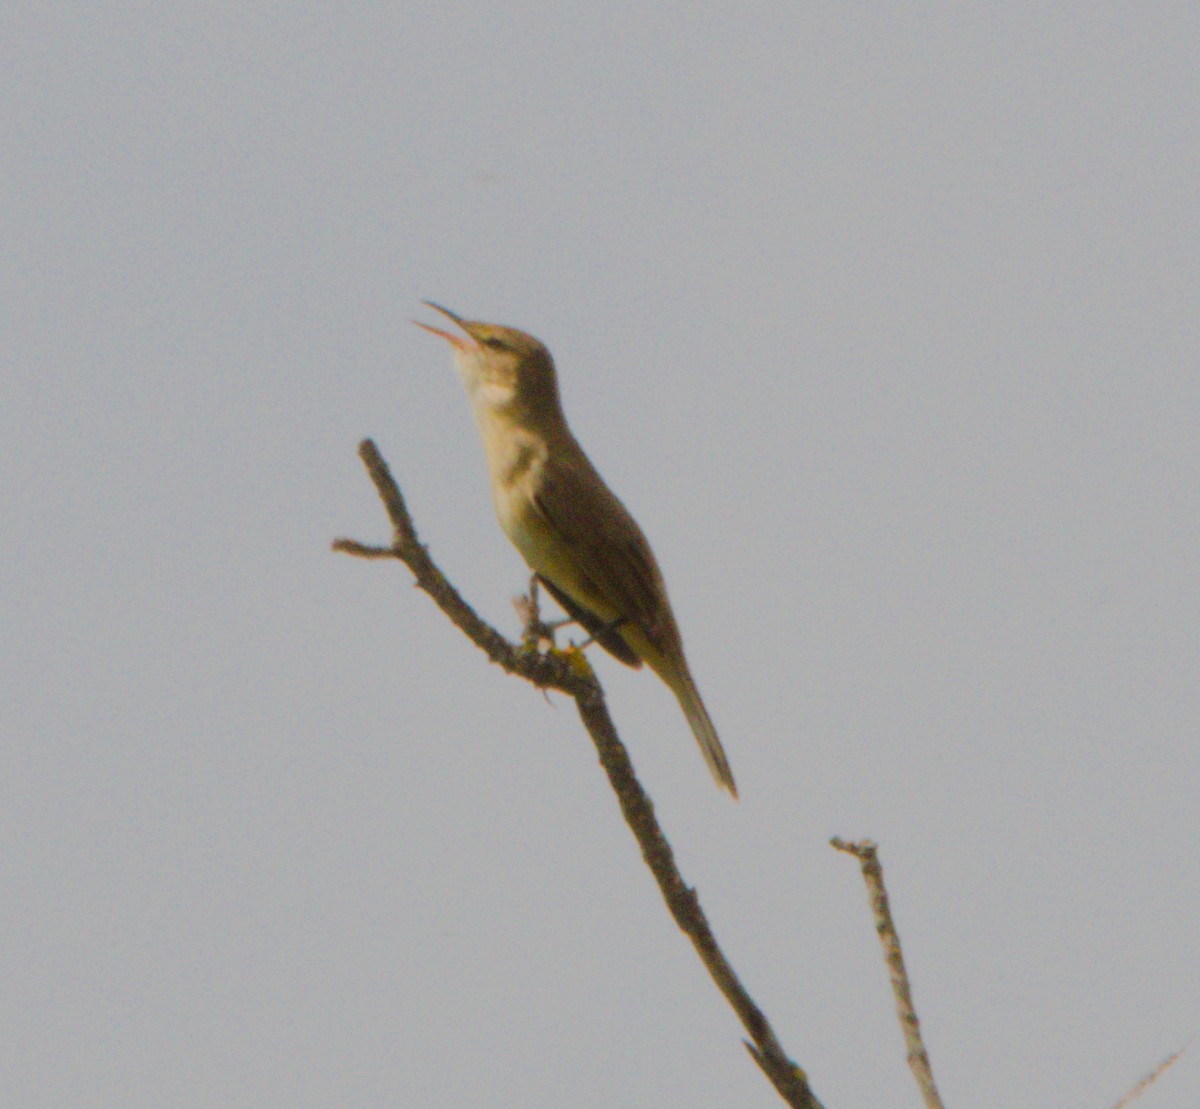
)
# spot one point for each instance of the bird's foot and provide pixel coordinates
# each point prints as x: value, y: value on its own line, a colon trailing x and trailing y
x: 537, y: 636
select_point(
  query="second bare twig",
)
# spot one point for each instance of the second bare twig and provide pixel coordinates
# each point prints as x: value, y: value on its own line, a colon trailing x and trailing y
x: 918, y: 1058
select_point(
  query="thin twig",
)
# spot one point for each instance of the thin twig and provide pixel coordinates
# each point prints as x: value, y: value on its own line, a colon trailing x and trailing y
x: 562, y: 671
x: 1143, y: 1084
x: 918, y: 1058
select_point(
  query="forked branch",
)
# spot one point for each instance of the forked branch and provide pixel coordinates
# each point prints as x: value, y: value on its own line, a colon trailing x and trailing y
x: 561, y: 671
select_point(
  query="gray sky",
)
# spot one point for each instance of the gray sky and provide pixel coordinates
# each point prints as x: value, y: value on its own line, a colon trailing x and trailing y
x: 883, y: 323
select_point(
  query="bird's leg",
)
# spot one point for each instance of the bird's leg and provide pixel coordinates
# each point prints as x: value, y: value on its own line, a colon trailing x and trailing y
x: 538, y: 634
x: 601, y: 630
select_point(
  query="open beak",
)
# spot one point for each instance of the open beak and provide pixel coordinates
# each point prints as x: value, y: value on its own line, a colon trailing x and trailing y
x: 456, y: 341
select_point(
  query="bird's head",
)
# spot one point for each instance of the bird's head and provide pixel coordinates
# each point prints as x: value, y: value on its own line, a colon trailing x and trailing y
x: 501, y: 366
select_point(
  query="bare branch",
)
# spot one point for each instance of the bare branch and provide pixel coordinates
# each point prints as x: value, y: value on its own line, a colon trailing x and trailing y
x: 568, y: 672
x: 1143, y: 1084
x: 918, y: 1058
x: 547, y: 671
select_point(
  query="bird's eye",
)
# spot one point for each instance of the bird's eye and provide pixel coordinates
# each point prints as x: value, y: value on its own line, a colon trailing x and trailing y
x: 493, y: 342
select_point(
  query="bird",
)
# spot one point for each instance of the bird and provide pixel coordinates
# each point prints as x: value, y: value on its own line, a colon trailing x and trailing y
x: 579, y: 540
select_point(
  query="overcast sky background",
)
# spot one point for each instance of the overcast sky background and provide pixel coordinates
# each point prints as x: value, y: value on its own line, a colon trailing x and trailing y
x: 883, y: 322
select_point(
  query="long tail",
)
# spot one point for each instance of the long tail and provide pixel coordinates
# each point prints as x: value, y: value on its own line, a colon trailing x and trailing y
x: 704, y: 731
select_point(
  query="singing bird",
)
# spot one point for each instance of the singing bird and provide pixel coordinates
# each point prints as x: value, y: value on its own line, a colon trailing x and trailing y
x: 571, y: 529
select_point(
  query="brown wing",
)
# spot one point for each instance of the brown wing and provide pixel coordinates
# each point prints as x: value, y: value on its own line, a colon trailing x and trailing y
x: 611, y: 555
